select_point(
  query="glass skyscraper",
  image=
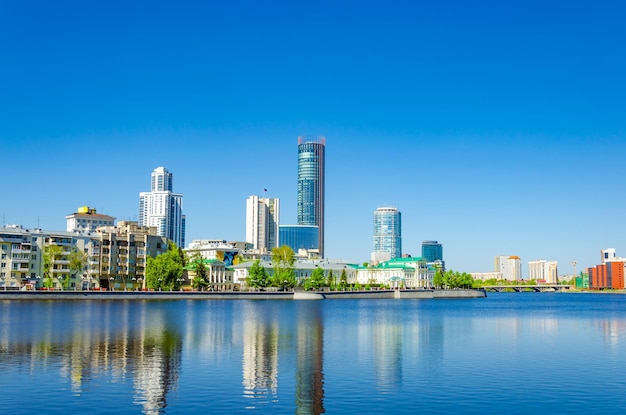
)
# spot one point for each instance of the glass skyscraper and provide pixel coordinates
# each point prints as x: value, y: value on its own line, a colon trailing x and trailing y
x: 311, y: 185
x: 299, y: 237
x: 388, y: 231
x: 432, y: 251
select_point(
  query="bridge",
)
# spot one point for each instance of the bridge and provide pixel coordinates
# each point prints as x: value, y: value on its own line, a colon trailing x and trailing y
x: 540, y: 288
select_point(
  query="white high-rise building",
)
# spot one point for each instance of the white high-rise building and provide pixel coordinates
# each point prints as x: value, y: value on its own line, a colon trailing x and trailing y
x: 162, y: 208
x: 263, y: 222
x: 542, y: 270
x: 510, y: 266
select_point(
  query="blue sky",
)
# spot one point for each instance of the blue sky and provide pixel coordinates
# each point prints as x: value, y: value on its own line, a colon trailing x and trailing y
x: 495, y: 127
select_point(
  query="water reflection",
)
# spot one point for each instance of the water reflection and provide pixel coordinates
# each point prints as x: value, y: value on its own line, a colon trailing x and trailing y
x: 304, y: 357
x: 310, y: 347
x: 86, y: 340
x: 260, y: 357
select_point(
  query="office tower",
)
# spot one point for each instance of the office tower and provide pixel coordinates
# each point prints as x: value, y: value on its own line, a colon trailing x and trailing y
x: 162, y: 208
x: 87, y: 220
x: 388, y: 231
x: 432, y: 251
x: 311, y: 185
x: 510, y: 266
x: 299, y: 237
x: 262, y: 222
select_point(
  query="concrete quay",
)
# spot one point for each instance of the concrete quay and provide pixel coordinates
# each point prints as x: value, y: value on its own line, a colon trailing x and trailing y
x: 240, y: 295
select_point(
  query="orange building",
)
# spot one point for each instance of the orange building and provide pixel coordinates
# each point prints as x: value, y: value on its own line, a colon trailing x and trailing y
x: 607, y: 275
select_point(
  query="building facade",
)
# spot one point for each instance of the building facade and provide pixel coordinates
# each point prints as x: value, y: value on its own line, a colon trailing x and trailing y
x: 432, y: 251
x: 262, y: 223
x: 542, y: 270
x: 387, y: 232
x: 86, y: 219
x: 311, y: 183
x: 510, y: 266
x: 300, y: 238
x: 162, y: 208
x: 214, y: 249
x: 120, y: 254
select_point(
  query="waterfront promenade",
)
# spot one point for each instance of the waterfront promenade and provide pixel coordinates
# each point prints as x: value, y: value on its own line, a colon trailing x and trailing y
x: 239, y: 295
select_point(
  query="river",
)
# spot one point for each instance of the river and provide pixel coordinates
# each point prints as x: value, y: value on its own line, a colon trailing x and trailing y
x: 514, y: 353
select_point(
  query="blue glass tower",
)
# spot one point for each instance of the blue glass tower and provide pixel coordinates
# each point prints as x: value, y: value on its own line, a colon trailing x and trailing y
x: 311, y: 185
x: 432, y: 251
x: 388, y: 231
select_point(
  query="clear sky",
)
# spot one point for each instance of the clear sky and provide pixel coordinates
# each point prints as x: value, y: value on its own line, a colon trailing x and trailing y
x: 495, y: 127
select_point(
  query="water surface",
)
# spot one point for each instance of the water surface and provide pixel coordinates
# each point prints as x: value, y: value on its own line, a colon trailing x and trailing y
x: 519, y: 353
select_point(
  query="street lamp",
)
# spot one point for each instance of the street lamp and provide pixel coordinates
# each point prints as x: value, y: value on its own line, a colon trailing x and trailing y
x: 160, y: 279
x: 111, y: 285
x: 139, y: 286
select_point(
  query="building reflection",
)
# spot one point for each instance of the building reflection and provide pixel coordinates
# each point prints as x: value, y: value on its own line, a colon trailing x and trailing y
x: 124, y: 341
x: 260, y: 358
x: 309, y: 355
x: 612, y: 330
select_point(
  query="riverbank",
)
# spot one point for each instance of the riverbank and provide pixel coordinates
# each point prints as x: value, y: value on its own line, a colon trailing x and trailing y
x: 239, y: 295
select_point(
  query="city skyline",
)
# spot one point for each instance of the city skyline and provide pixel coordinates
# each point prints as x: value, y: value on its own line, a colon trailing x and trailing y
x: 491, y: 125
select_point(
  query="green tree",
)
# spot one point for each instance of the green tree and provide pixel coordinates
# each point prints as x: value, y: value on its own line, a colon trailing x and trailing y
x: 316, y: 280
x: 438, y: 279
x: 78, y: 261
x: 51, y: 254
x: 330, y: 282
x: 165, y: 270
x: 343, y: 279
x: 283, y: 259
x: 201, y: 274
x: 257, y: 276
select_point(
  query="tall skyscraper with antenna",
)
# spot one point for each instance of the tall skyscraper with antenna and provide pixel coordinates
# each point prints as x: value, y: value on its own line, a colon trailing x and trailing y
x: 311, y: 164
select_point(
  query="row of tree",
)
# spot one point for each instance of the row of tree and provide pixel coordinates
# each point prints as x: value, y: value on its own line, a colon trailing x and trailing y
x: 451, y: 279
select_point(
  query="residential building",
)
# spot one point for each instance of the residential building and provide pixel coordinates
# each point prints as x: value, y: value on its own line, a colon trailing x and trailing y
x: 22, y: 264
x: 162, y: 208
x: 510, y: 266
x: 120, y: 254
x: 300, y: 238
x: 387, y: 232
x: 86, y: 219
x: 262, y: 223
x: 21, y: 252
x: 484, y: 276
x: 311, y: 183
x: 543, y: 271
